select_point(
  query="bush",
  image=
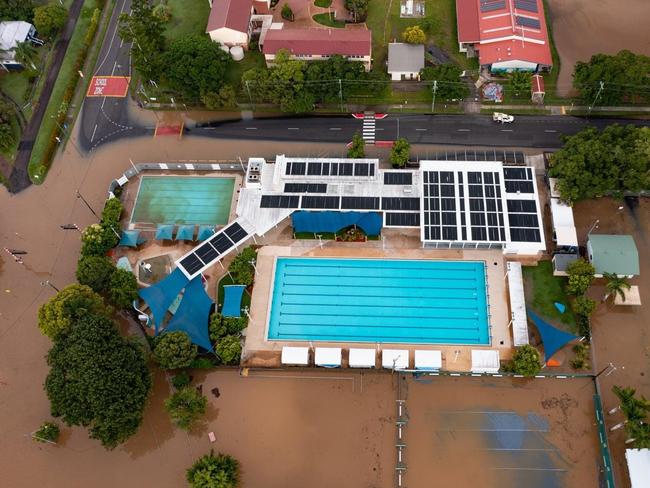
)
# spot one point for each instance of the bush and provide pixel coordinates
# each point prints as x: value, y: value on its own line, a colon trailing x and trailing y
x: 357, y: 148
x: 226, y: 97
x: 414, y: 35
x: 97, y: 240
x: 185, y: 407
x: 582, y: 356
x: 95, y: 271
x: 162, y: 12
x: 399, y: 154
x: 210, y: 471
x: 174, y: 350
x: 234, y: 325
x: 584, y: 326
x: 525, y: 361
x: 122, y: 289
x: 49, y: 19
x: 47, y: 432
x: 181, y: 380
x: 229, y: 350
x: 583, y: 305
x: 581, y: 274
x: 112, y: 212
x: 216, y: 327
x: 286, y: 12
x: 202, y: 363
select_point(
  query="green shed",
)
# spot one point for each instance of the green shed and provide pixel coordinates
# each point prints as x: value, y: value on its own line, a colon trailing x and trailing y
x: 613, y: 254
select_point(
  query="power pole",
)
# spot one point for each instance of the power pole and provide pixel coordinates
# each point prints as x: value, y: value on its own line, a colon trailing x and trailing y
x: 250, y: 98
x: 600, y: 89
x: 435, y: 89
x: 341, y: 93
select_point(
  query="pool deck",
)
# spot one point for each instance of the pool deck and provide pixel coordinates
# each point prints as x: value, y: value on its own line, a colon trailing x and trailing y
x: 258, y: 351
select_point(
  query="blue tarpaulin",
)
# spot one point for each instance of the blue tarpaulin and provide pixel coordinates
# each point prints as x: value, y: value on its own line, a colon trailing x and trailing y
x: 160, y: 296
x: 205, y: 232
x: 553, y: 339
x: 164, y: 232
x: 185, y: 233
x: 130, y: 238
x: 193, y: 314
x: 232, y: 300
x: 304, y: 221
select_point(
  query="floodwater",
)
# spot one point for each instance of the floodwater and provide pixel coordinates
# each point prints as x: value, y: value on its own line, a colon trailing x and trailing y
x: 582, y: 28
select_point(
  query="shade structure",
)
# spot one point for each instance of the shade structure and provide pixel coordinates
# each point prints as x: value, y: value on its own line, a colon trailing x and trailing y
x: 295, y: 356
x: 428, y: 360
x: 232, y: 300
x: 395, y: 359
x: 193, y: 314
x: 485, y: 361
x: 205, y: 232
x: 185, y: 233
x: 130, y: 238
x: 517, y: 303
x: 123, y: 263
x: 328, y: 357
x: 305, y: 221
x: 638, y: 466
x: 362, y: 358
x: 552, y: 338
x: 164, y: 232
x: 160, y: 296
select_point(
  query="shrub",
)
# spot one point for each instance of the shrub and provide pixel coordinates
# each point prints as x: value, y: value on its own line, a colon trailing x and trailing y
x: 123, y: 288
x: 112, y: 211
x: 185, y: 407
x: 47, y: 432
x: 97, y: 240
x: 582, y: 356
x: 229, y: 350
x: 583, y: 305
x: 216, y: 327
x: 226, y: 97
x: 581, y: 274
x: 234, y: 325
x: 95, y: 271
x: 162, y: 12
x: 357, y: 148
x: 414, y: 35
x: 210, y: 471
x: 286, y: 12
x: 202, y: 363
x: 584, y: 326
x: 399, y: 154
x: 181, y: 380
x: 174, y: 350
x: 525, y: 361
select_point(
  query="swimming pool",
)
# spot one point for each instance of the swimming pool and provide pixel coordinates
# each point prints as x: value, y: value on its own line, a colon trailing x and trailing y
x: 385, y: 301
x: 183, y: 200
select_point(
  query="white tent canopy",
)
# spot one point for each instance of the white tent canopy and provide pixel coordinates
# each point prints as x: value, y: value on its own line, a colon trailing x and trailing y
x: 395, y: 358
x: 329, y: 357
x: 428, y: 360
x: 638, y: 465
x: 517, y: 304
x: 296, y: 356
x: 485, y: 361
x: 362, y: 358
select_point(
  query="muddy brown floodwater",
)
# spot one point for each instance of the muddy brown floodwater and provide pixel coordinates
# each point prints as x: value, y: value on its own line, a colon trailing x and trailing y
x: 582, y: 28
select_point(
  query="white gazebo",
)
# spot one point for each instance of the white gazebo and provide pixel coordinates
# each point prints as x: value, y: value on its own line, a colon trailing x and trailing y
x: 328, y: 357
x: 295, y: 356
x: 362, y: 358
x: 485, y: 361
x: 428, y: 360
x: 395, y: 359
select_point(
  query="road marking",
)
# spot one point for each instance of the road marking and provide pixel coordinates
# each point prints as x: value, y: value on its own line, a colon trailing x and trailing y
x: 103, y: 102
x: 335, y: 128
x: 112, y: 38
x: 463, y: 130
x: 420, y: 129
x: 506, y: 130
x: 379, y: 128
x: 93, y: 136
x: 293, y: 128
x: 550, y: 130
x: 251, y: 128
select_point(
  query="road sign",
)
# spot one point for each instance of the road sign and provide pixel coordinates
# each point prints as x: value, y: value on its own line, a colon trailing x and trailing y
x: 108, y: 86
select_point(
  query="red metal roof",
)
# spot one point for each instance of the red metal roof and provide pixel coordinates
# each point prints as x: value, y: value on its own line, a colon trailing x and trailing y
x: 323, y: 42
x: 231, y: 14
x: 467, y: 20
x: 537, y: 84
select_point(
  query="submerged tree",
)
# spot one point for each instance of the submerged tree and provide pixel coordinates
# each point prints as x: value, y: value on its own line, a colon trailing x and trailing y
x: 210, y: 471
x: 185, y: 407
x: 616, y: 285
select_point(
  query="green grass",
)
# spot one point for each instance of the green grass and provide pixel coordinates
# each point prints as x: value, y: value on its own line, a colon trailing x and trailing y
x: 543, y: 289
x: 188, y: 17
x: 227, y: 280
x: 10, y: 153
x: 17, y: 85
x: 66, y: 72
x: 328, y: 19
x: 550, y: 79
x: 252, y: 59
x: 323, y: 3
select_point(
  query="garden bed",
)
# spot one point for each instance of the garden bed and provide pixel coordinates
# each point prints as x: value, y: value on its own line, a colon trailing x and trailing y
x: 543, y: 290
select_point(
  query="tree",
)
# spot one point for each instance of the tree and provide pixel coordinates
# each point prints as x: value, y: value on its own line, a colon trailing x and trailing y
x: 95, y: 271
x: 210, y: 471
x: 68, y: 306
x: 234, y: 325
x: 616, y: 285
x: 17, y: 10
x: 98, y: 379
x: 583, y: 305
x: 163, y: 12
x: 581, y: 274
x: 430, y: 25
x: 414, y: 35
x: 357, y: 148
x: 241, y: 268
x: 123, y: 288
x: 112, y: 212
x: 146, y: 32
x: 399, y: 154
x: 97, y: 240
x: 25, y: 53
x: 449, y: 84
x: 194, y: 66
x: 216, y: 327
x: 7, y: 134
x: 520, y: 82
x: 229, y: 350
x: 286, y: 12
x: 358, y: 9
x: 224, y: 98
x: 49, y: 19
x: 185, y: 407
x: 174, y: 350
x: 526, y: 361
x: 47, y: 432
x: 592, y: 163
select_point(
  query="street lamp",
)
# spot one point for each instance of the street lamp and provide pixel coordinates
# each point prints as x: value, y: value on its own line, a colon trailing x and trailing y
x: 593, y: 227
x: 48, y: 283
x: 252, y: 263
x: 70, y: 227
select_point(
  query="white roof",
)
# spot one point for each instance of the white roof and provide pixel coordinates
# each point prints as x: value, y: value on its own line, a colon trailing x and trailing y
x: 328, y: 356
x: 638, y: 465
x: 428, y: 360
x: 517, y: 303
x: 362, y: 358
x: 632, y: 296
x: 395, y: 358
x: 563, y: 224
x: 552, y: 182
x: 405, y: 58
x: 295, y: 355
x: 11, y: 33
x: 485, y: 361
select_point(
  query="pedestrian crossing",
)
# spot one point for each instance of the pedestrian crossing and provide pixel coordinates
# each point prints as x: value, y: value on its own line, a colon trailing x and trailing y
x: 369, y: 128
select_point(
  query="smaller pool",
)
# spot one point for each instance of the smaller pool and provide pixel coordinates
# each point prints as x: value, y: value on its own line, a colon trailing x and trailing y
x: 183, y: 200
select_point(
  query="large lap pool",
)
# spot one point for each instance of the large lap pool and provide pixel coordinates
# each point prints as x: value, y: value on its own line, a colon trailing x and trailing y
x: 183, y: 200
x: 385, y: 301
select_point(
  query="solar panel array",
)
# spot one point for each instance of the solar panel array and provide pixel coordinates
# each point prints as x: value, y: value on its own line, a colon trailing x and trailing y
x: 527, y: 22
x: 491, y: 5
x: 518, y: 180
x: 208, y: 252
x: 305, y: 188
x: 280, y: 201
x: 398, y: 178
x: 527, y: 5
x: 507, y: 157
x: 439, y: 191
x: 301, y: 168
x: 360, y: 203
x: 402, y: 219
x: 311, y: 202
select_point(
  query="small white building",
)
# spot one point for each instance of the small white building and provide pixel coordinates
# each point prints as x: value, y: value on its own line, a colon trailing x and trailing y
x: 11, y: 34
x: 229, y: 22
x: 405, y: 61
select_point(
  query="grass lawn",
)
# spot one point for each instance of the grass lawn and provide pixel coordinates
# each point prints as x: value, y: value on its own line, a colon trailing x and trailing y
x: 328, y: 19
x: 543, y: 289
x: 323, y: 3
x: 188, y: 17
x: 17, y: 85
x: 66, y: 72
x: 550, y: 79
x: 252, y: 59
x: 227, y: 280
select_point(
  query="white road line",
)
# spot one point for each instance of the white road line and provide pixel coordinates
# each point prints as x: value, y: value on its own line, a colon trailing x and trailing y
x: 420, y: 129
x: 506, y: 130
x: 251, y: 128
x: 112, y: 38
x: 93, y: 136
x: 335, y: 128
x: 114, y: 68
x: 550, y: 130
x: 293, y: 128
x: 103, y: 102
x: 463, y: 130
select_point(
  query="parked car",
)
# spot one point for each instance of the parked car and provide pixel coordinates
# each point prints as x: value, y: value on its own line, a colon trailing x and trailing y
x: 502, y: 118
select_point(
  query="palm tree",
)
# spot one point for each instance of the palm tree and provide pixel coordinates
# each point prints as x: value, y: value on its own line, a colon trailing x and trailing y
x: 25, y: 53
x: 616, y: 285
x: 624, y: 395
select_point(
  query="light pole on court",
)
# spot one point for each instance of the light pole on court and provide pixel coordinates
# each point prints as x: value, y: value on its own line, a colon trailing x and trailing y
x: 49, y: 283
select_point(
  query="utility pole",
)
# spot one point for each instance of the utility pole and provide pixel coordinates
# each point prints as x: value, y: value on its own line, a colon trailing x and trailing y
x: 79, y: 195
x: 250, y: 98
x: 341, y: 93
x: 435, y: 89
x: 600, y: 89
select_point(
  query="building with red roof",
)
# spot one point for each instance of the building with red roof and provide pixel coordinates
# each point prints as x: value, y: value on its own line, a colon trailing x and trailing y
x: 507, y: 35
x: 229, y: 23
x: 313, y: 44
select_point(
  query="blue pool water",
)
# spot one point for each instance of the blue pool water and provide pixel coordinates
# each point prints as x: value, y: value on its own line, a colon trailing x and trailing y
x: 371, y: 300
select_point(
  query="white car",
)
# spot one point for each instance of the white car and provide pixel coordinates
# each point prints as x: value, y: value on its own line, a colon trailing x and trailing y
x: 502, y: 118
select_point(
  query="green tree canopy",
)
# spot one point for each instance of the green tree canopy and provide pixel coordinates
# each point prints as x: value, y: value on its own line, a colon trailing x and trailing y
x: 583, y: 305
x: 17, y: 10
x: 49, y: 19
x: 7, y: 134
x: 616, y: 285
x: 97, y: 240
x: 323, y: 77
x: 592, y: 163
x: 358, y: 147
x: 581, y: 274
x: 519, y: 82
x: 449, y: 86
x: 229, y: 350
x: 526, y: 361
x: 414, y: 35
x: 241, y: 269
x: 399, y: 154
x: 226, y: 97
x: 195, y: 66
x: 95, y: 271
x: 146, y: 32
x: 210, y: 471
x: 185, y: 407
x: 67, y: 307
x: 112, y: 212
x: 122, y: 288
x: 98, y: 379
x: 174, y: 350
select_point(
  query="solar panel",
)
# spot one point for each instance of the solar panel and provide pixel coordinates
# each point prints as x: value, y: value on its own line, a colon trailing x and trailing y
x: 295, y: 168
x: 320, y: 202
x: 523, y: 220
x: 398, y: 203
x: 353, y: 203
x: 524, y: 235
x: 527, y: 22
x: 361, y: 169
x: 221, y: 243
x: 491, y: 5
x: 191, y: 263
x: 305, y: 188
x: 235, y: 232
x: 514, y: 186
x: 398, y: 178
x: 521, y: 206
x: 346, y: 169
x: 206, y: 252
x: 402, y: 219
x: 314, y: 169
x: 515, y: 174
x: 528, y: 5
x: 279, y: 201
